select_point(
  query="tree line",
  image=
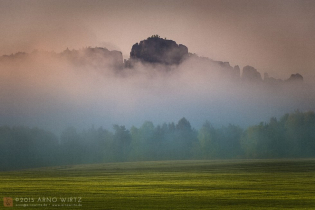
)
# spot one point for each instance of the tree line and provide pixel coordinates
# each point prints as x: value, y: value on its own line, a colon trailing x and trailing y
x: 292, y: 136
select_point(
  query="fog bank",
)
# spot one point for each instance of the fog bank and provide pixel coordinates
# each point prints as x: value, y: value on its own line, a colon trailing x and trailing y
x: 52, y: 91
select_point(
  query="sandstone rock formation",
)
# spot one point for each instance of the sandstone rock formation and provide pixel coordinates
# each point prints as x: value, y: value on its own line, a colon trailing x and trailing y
x: 158, y: 50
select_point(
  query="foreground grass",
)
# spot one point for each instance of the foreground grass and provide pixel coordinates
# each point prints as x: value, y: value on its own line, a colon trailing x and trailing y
x: 240, y: 184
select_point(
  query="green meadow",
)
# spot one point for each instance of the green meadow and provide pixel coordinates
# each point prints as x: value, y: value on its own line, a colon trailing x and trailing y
x: 224, y: 184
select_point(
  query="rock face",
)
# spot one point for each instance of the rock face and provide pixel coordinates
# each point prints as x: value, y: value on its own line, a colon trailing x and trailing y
x: 97, y: 57
x: 155, y: 50
x: 271, y: 81
x: 158, y: 50
x: 295, y: 78
x: 237, y: 71
x: 251, y: 74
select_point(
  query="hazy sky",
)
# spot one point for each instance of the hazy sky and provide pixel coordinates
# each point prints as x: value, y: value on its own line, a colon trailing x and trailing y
x: 275, y: 36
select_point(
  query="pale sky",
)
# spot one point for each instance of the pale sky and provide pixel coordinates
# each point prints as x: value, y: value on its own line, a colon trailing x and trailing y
x: 275, y: 36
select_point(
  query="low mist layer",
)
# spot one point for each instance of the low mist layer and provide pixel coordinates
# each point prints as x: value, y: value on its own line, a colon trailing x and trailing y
x: 85, y: 88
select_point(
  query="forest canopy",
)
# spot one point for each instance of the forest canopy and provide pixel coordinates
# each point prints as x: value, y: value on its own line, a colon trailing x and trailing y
x: 291, y: 136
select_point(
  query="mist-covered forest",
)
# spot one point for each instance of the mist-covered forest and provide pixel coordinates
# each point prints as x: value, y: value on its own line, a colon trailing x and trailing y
x: 291, y: 136
x: 42, y: 93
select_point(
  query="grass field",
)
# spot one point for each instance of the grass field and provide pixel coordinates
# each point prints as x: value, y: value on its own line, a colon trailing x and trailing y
x: 239, y: 184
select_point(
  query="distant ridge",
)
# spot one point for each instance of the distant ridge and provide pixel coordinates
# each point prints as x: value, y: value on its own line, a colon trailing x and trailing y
x: 154, y: 51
